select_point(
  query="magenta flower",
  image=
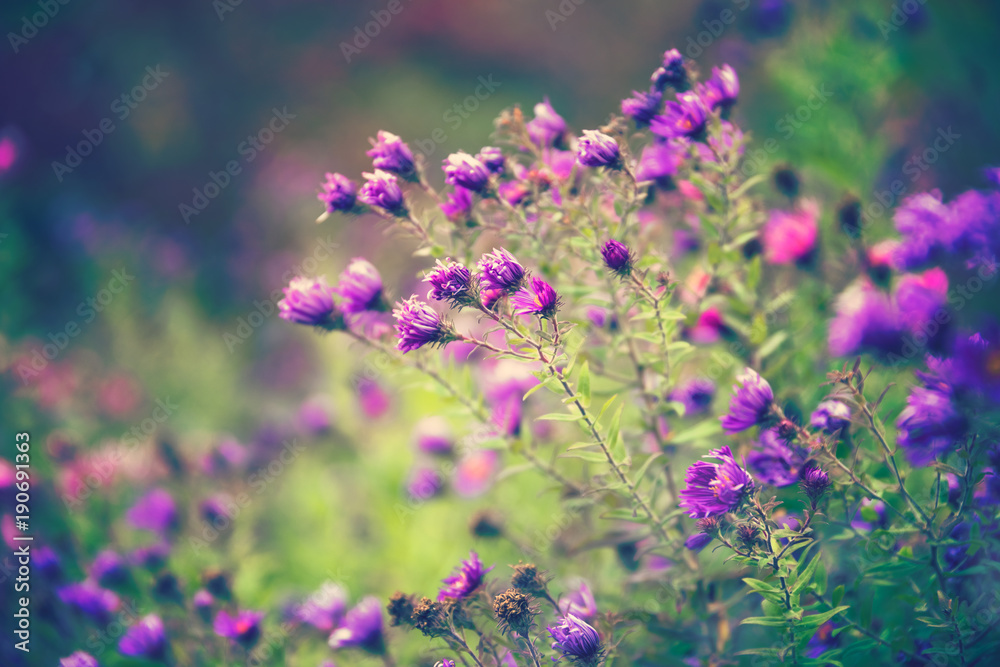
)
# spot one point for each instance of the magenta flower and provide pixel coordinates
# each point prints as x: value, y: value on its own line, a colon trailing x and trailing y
x: 109, y: 568
x: 475, y: 472
x: 831, y: 416
x: 712, y: 489
x: 500, y: 271
x: 642, y: 106
x: 659, y: 162
x: 775, y: 462
x: 696, y: 395
x: 156, y: 511
x: 466, y: 580
x: 339, y: 193
x: 451, y: 282
x: 417, y: 324
x: 538, y: 298
x: 671, y: 72
x: 722, y: 89
x: 424, y: 483
x: 617, y: 257
x: 596, y: 149
x: 687, y: 117
x: 751, y: 402
x: 463, y: 170
x: 360, y: 287
x: 79, y: 659
x: 931, y: 422
x: 310, y: 301
x: 362, y: 628
x: 90, y: 599
x: 242, y: 629
x: 492, y: 158
x: 697, y: 541
x: 547, y: 127
x: 325, y: 608
x: 145, y: 639
x: 814, y: 482
x: 790, y: 236
x: 381, y: 190
x: 390, y: 154
x: 432, y: 435
x: 921, y: 301
x: 866, y: 320
x: 458, y: 206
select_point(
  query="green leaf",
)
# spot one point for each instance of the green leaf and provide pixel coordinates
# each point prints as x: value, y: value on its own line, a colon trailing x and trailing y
x: 837, y: 595
x: 589, y: 457
x: 559, y: 417
x: 765, y: 620
x: 615, y: 445
x: 644, y: 467
x: 604, y: 408
x: 758, y: 585
x: 746, y: 185
x: 806, y: 575
x: 700, y: 431
x: 815, y: 620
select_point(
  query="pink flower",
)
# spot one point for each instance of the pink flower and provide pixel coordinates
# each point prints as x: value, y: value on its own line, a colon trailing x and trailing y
x: 790, y: 236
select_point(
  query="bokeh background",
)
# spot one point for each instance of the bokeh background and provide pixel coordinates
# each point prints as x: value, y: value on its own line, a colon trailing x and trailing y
x: 852, y: 93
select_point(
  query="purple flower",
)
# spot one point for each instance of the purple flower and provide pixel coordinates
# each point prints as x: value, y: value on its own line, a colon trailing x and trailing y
x: 458, y: 205
x: 445, y: 663
x: 463, y: 170
x: 382, y: 191
x: 360, y: 287
x: 712, y: 489
x: 451, y: 282
x: 202, y: 599
x: 722, y: 90
x: 492, y: 158
x: 695, y: 394
x: 686, y: 117
x: 579, y: 602
x: 865, y: 321
x: 47, y: 563
x: 577, y: 641
x: 814, y: 482
x: 671, y: 72
x: 432, y: 435
x: 514, y: 192
x: 155, y: 511
x: 89, y: 598
x: 537, y: 299
x: 921, y: 219
x: 145, y: 639
x: 775, y: 463
x: 831, y: 416
x: 475, y: 472
x: 424, y: 483
x: 697, y: 541
x: 468, y: 577
x: 823, y: 640
x: 339, y: 193
x: 642, y: 106
x: 975, y: 362
x: 596, y: 149
x: 310, y: 301
x: 390, y: 154
x: 362, y: 628
x: 617, y: 257
x: 216, y: 508
x: 242, y: 629
x: 547, y: 127
x: 325, y: 608
x: 500, y: 271
x: 751, y: 403
x: 930, y: 423
x: 151, y: 557
x: 417, y: 324
x: 79, y: 659
x: 659, y: 162
x: 108, y: 568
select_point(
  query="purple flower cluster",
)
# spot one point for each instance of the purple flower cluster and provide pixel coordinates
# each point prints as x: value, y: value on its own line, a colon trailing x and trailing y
x: 499, y: 271
x: 933, y: 231
x: 468, y: 577
x: 751, y: 403
x: 310, y: 301
x: 381, y: 190
x: 712, y: 489
x: 390, y: 154
x: 417, y: 325
x: 687, y: 116
x: 671, y: 72
x: 776, y: 462
x: 931, y: 423
x: 452, y: 282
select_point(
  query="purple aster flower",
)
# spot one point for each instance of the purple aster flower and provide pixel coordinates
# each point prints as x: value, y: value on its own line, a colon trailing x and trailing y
x: 216, y: 508
x: 814, y: 482
x: 577, y: 640
x: 547, y: 127
x: 360, y: 287
x: 382, y: 190
x: 468, y: 577
x: 325, y: 608
x: 417, y: 324
x: 79, y: 659
x: 921, y: 303
x: 771, y: 17
x: 145, y: 639
x: 89, y: 598
x: 500, y: 271
x: 659, y: 162
x: 310, y: 301
x: 975, y: 362
x: 775, y: 463
x: 362, y: 628
x: 596, y: 149
x: 697, y: 541
x: 458, y: 206
x: 617, y: 257
x: 696, y: 395
x: 432, y: 435
x: 463, y: 170
x: 920, y: 219
x: 751, y: 403
x: 671, y: 72
x: 507, y: 415
x: 424, y: 483
x: 722, y: 90
x: 579, y: 602
x: 108, y: 568
x: 451, y: 282
x: 492, y: 158
x: 514, y: 192
x: 712, y: 489
x: 537, y: 299
x: 155, y: 511
x: 242, y: 629
x: 865, y: 321
x: 202, y: 600
x: 390, y: 154
x: 315, y: 416
x: 445, y: 663
x: 930, y: 423
x: 339, y: 193
x: 831, y: 416
x: 642, y: 106
x: 601, y: 317
x: 46, y: 562
x: 687, y: 117
x: 373, y: 398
